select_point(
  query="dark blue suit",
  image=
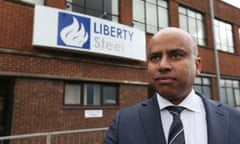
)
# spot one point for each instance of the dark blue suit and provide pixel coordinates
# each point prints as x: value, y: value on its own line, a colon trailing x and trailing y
x: 141, y: 124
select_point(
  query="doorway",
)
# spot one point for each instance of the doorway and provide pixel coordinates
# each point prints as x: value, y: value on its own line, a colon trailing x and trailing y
x: 6, y: 105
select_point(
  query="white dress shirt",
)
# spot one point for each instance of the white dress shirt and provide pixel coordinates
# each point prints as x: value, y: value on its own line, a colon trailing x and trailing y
x: 193, y: 118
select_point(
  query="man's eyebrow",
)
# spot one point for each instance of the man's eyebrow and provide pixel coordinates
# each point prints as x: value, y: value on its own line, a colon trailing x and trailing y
x: 155, y: 54
x: 170, y: 50
x: 177, y: 50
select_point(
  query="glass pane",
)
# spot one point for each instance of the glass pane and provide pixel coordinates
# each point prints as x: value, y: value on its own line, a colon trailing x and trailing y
x: 162, y: 17
x: 198, y: 88
x: 182, y: 10
x: 199, y: 16
x: 223, y: 96
x: 206, y: 81
x: 228, y: 83
x: 162, y: 3
x: 183, y: 22
x: 138, y: 11
x: 236, y: 84
x: 191, y: 13
x: 223, y: 37
x: 207, y: 91
x: 237, y: 96
x: 222, y: 83
x: 109, y: 95
x: 115, y: 7
x: 108, y: 7
x: 197, y: 80
x: 201, y: 42
x: 230, y: 96
x: 91, y: 94
x: 200, y: 29
x: 151, y: 18
x: 94, y: 13
x: 201, y: 33
x: 217, y: 31
x: 72, y: 94
x: 192, y: 27
x: 97, y: 5
x: 77, y: 2
x: 228, y: 26
x: 78, y: 6
x: 115, y: 19
x: 152, y: 1
x: 230, y: 38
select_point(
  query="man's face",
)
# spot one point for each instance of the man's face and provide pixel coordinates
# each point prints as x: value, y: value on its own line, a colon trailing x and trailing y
x: 172, y: 65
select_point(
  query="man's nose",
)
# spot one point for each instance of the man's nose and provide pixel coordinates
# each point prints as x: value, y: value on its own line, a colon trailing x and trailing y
x: 164, y: 64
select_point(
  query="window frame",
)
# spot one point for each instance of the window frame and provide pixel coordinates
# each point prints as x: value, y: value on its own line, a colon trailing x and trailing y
x: 114, y: 15
x: 218, y: 30
x: 225, y: 87
x: 198, y: 19
x: 144, y: 25
x: 203, y: 85
x: 83, y: 96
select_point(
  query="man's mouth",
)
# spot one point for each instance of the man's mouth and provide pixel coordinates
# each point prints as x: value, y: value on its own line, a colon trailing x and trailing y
x: 164, y: 80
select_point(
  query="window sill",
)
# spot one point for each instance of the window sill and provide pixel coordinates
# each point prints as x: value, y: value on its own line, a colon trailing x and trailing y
x: 90, y: 107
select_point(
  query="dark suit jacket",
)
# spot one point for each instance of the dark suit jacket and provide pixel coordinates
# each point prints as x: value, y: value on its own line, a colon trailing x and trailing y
x: 141, y: 124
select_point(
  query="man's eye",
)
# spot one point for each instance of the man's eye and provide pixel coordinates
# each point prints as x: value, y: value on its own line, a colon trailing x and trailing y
x: 154, y: 58
x: 177, y: 55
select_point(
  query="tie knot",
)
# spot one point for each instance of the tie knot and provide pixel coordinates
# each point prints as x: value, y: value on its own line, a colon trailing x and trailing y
x: 175, y: 110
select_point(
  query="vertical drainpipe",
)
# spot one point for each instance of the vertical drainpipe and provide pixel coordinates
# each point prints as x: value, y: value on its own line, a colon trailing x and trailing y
x: 215, y: 49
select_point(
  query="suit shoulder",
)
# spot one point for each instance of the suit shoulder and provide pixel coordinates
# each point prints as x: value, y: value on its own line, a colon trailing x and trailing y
x: 134, y: 108
x: 231, y: 110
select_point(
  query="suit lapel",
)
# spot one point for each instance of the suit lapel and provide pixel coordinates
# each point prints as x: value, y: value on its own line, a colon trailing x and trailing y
x: 217, y: 123
x: 151, y: 121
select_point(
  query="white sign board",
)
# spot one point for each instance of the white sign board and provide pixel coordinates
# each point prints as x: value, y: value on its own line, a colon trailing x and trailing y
x: 66, y: 30
x: 93, y: 113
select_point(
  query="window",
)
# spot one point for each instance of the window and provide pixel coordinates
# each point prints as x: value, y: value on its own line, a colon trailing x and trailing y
x: 106, y: 9
x: 90, y: 94
x: 224, y: 36
x: 230, y: 92
x: 203, y: 85
x: 150, y: 15
x: 40, y: 2
x: 72, y: 94
x: 193, y: 22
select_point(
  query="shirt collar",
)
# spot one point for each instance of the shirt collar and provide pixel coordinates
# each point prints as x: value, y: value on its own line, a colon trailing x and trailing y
x: 192, y: 102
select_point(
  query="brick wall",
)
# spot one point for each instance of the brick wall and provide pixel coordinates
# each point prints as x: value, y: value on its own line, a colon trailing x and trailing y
x: 38, y: 107
x: 16, y: 25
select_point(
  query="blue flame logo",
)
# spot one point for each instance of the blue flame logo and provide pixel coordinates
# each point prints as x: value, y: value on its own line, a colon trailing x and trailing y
x: 73, y: 31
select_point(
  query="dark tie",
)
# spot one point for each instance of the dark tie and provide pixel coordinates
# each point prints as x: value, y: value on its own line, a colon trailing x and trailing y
x: 176, y: 133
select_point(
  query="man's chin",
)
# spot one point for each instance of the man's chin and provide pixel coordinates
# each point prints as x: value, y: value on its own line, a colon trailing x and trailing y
x: 168, y: 94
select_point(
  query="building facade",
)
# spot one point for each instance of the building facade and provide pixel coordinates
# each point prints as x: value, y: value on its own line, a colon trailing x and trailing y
x: 45, y: 90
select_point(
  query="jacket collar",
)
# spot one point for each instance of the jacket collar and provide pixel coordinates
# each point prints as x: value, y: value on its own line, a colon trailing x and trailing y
x: 151, y: 121
x: 217, y: 121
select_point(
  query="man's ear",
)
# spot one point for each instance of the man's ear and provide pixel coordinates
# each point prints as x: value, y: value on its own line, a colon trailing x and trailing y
x: 198, y: 63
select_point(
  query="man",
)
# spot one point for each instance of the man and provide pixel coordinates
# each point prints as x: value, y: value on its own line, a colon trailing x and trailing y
x: 173, y: 64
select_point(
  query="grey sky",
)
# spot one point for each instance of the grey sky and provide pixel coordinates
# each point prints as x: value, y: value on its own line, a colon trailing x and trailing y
x: 235, y: 3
